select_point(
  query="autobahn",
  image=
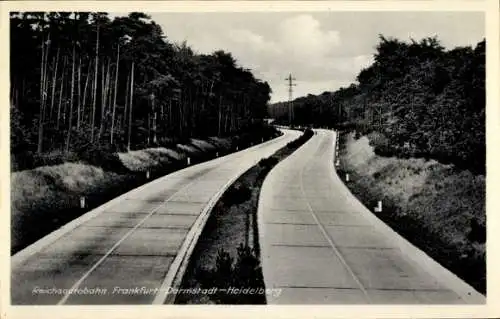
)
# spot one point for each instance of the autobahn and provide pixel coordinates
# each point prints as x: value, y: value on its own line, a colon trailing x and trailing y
x: 135, y: 248
x: 320, y: 245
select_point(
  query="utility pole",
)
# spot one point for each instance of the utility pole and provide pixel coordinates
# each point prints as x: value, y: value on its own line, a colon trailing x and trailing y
x: 290, y: 84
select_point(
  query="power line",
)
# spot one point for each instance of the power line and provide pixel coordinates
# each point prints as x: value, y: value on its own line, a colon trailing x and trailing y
x: 290, y: 84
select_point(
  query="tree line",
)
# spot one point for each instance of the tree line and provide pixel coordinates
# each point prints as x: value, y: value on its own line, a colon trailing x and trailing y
x: 421, y: 99
x: 81, y: 80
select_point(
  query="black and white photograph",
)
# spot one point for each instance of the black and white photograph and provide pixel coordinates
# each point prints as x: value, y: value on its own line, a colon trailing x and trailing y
x: 277, y: 157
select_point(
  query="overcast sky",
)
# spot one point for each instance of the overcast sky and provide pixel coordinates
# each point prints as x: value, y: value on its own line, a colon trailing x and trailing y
x: 323, y: 50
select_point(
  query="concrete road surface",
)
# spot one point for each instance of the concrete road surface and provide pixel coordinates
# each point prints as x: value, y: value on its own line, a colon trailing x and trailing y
x: 320, y: 245
x: 133, y: 249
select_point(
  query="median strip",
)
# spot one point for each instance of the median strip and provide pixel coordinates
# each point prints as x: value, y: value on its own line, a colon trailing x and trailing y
x: 225, y: 264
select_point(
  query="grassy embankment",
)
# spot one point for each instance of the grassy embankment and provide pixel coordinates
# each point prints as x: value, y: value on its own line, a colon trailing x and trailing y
x: 437, y: 207
x: 227, y: 253
x: 47, y: 197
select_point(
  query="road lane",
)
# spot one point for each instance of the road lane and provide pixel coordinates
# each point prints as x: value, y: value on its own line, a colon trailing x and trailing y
x: 319, y: 244
x: 126, y: 250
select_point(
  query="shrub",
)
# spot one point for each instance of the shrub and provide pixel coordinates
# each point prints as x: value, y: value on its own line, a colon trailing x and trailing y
x: 245, y: 272
x: 384, y: 150
x: 30, y: 160
x: 299, y: 141
x: 237, y: 194
x: 268, y: 162
x: 477, y: 231
x: 247, y: 268
x: 102, y: 157
x: 358, y: 135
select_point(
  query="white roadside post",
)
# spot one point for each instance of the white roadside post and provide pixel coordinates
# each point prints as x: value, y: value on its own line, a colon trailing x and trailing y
x: 346, y: 177
x: 147, y: 174
x: 82, y: 201
x: 378, y: 209
x: 188, y: 160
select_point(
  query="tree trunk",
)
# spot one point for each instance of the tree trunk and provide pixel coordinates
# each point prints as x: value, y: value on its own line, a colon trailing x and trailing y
x: 40, y: 122
x: 43, y: 93
x: 226, y: 122
x: 85, y: 92
x: 94, y: 100
x: 181, y: 114
x: 79, y: 90
x: 54, y: 84
x: 105, y: 92
x: 45, y: 79
x: 103, y: 98
x: 114, y: 97
x: 155, y: 140
x: 13, y: 93
x: 131, y: 102
x: 61, y: 94
x: 220, y: 116
x: 169, y: 113
x: 125, y: 112
x: 70, y: 124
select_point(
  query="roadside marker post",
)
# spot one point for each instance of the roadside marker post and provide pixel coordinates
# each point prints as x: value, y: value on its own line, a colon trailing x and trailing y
x: 189, y: 161
x: 378, y: 209
x: 82, y: 201
x: 147, y: 174
x: 346, y: 177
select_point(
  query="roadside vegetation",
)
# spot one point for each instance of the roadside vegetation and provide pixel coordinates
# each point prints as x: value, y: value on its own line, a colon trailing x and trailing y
x: 437, y: 207
x: 227, y: 254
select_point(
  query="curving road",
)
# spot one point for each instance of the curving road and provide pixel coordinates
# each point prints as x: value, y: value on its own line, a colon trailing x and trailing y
x: 133, y: 249
x: 319, y: 244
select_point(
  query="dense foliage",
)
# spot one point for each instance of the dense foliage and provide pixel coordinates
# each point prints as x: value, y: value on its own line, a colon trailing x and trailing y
x: 423, y: 100
x: 80, y: 81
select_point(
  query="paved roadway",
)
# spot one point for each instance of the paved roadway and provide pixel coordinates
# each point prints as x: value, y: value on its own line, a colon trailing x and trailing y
x: 320, y: 245
x: 141, y: 240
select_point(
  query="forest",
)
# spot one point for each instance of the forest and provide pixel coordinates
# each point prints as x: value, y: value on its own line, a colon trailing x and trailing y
x: 81, y: 82
x: 421, y: 99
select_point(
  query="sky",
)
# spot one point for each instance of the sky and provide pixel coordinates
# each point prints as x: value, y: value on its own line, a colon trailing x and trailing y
x: 322, y: 50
